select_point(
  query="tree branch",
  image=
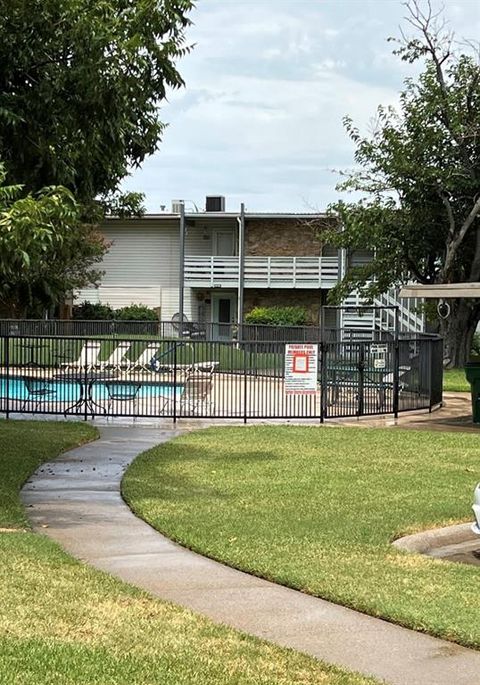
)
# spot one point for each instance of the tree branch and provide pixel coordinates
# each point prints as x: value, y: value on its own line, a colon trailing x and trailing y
x: 453, y: 245
x: 451, y: 219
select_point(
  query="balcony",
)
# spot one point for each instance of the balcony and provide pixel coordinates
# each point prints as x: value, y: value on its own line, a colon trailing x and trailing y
x: 262, y: 272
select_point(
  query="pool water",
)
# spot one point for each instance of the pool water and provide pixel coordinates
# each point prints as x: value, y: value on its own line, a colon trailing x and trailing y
x: 70, y: 392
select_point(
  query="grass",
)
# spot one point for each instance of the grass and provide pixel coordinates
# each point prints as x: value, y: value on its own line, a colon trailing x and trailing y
x: 63, y: 622
x: 454, y: 381
x: 53, y: 351
x: 317, y: 508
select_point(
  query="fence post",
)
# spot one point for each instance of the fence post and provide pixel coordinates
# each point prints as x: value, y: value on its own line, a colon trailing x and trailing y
x: 175, y: 383
x: 245, y: 393
x: 323, y: 381
x: 430, y: 374
x: 361, y: 380
x: 6, y: 355
x: 396, y: 377
x: 86, y: 388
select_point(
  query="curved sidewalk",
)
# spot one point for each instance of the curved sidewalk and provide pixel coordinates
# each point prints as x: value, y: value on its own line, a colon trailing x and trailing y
x: 76, y: 501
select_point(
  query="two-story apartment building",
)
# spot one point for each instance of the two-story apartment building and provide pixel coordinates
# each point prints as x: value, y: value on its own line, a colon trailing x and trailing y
x: 215, y: 266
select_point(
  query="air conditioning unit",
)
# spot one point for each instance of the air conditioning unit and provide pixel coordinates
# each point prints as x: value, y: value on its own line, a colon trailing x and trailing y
x: 215, y: 203
x: 177, y: 206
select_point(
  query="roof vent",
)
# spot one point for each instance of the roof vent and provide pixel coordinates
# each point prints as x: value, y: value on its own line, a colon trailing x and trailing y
x: 215, y: 203
x: 177, y: 206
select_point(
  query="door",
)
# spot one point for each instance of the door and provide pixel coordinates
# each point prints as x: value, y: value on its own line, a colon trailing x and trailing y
x: 224, y: 310
x: 223, y: 244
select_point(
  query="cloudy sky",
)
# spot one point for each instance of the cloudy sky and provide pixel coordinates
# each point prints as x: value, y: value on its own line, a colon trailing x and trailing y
x: 267, y: 85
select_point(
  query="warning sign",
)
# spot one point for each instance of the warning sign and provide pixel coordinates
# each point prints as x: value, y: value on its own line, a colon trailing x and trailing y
x: 301, y: 369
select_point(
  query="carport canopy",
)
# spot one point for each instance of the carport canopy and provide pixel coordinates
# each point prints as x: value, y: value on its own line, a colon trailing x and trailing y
x: 441, y: 291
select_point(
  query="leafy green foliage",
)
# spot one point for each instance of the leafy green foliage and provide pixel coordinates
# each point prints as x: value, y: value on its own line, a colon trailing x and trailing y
x: 418, y: 176
x: 93, y: 311
x: 136, y: 312
x: 80, y: 88
x: 476, y: 345
x: 278, y: 316
x: 45, y: 251
x: 90, y: 311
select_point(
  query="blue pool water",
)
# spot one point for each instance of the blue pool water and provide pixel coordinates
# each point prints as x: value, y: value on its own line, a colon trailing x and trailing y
x: 69, y: 392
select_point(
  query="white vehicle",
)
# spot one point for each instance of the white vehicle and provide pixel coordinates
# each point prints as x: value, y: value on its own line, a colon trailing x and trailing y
x: 476, y: 510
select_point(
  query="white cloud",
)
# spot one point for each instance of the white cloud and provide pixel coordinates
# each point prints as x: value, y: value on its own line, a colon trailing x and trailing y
x: 268, y: 84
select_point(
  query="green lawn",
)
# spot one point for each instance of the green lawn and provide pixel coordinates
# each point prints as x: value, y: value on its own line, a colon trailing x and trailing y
x: 63, y: 622
x: 317, y: 508
x: 454, y: 381
x: 54, y: 351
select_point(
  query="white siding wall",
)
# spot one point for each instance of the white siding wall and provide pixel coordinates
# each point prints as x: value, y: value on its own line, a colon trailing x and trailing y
x: 141, y: 267
x: 199, y: 239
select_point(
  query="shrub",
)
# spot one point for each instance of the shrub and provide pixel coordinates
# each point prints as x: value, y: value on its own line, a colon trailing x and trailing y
x: 278, y: 316
x: 90, y: 311
x: 136, y: 312
x: 476, y: 345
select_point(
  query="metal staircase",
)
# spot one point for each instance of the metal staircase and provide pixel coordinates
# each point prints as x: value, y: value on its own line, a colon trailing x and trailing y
x: 359, y: 324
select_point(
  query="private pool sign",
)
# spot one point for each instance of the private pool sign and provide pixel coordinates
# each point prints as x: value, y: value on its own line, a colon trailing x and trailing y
x: 301, y: 369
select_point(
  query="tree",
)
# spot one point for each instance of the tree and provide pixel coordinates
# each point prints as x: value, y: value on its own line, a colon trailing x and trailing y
x: 45, y: 250
x: 419, y: 176
x: 80, y: 88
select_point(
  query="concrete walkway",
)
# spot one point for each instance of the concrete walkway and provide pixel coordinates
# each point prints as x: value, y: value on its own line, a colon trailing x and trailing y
x: 76, y: 501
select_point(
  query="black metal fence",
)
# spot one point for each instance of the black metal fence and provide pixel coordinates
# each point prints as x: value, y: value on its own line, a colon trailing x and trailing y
x: 151, y: 377
x: 160, y: 329
x: 189, y: 331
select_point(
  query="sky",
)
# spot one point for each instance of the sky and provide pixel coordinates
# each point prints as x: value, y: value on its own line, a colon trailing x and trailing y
x: 268, y: 83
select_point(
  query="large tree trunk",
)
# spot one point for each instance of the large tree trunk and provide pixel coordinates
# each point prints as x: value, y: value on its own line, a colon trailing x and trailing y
x: 457, y: 331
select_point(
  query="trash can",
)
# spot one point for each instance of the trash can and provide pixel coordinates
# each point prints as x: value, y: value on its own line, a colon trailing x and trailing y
x: 472, y: 372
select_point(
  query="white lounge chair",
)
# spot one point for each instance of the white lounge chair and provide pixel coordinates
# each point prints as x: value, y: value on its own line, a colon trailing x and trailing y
x: 144, y: 361
x: 88, y: 359
x: 118, y: 360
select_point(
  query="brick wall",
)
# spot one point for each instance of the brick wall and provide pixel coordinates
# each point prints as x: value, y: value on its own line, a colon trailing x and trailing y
x: 273, y: 297
x: 282, y: 237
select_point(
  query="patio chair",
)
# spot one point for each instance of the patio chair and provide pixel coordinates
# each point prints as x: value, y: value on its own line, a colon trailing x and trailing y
x: 195, y: 398
x: 206, y: 367
x: 38, y: 391
x: 122, y: 392
x: 146, y: 359
x: 118, y: 360
x: 88, y: 359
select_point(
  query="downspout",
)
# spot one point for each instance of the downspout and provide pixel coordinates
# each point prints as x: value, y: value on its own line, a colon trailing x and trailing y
x: 181, y: 290
x: 241, y: 269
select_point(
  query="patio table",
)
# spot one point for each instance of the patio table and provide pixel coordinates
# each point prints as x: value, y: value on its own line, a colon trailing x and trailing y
x: 33, y: 346
x: 343, y: 376
x: 86, y: 381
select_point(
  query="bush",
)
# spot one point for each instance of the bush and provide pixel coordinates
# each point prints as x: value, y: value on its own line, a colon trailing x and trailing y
x: 89, y: 311
x: 136, y: 312
x: 278, y: 316
x: 476, y: 345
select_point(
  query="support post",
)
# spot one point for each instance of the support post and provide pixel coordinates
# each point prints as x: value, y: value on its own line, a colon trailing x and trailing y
x: 245, y: 386
x: 175, y: 384
x: 181, y: 290
x: 396, y: 377
x: 241, y: 269
x: 6, y: 359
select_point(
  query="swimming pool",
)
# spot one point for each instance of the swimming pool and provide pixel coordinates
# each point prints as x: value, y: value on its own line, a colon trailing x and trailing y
x: 65, y: 391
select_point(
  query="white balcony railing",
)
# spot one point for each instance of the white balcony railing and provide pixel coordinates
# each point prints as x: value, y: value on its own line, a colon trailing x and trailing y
x: 262, y: 272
